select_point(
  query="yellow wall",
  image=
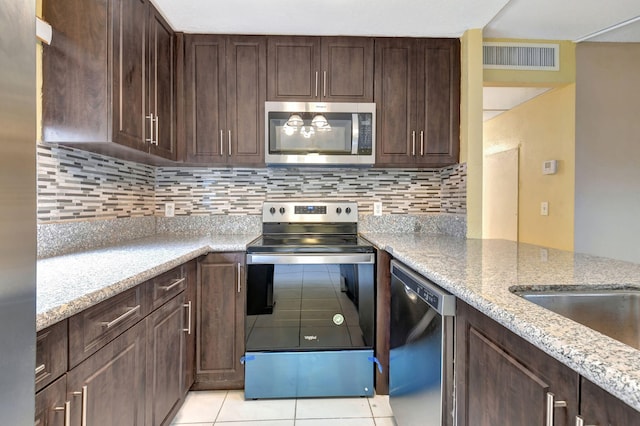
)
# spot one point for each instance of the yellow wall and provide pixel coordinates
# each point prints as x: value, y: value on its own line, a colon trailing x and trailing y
x: 544, y: 129
x: 471, y: 127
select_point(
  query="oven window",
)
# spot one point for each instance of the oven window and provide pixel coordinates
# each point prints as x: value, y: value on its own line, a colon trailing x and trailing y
x: 307, y: 133
x: 312, y: 307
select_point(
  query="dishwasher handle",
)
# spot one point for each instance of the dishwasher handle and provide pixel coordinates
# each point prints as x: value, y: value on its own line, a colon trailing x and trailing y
x: 441, y: 301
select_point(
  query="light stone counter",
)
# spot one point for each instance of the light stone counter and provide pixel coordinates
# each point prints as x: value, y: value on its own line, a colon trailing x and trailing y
x: 70, y: 283
x: 480, y: 272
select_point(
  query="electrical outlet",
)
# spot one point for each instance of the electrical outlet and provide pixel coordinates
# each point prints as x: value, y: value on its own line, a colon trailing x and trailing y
x: 377, y: 208
x: 544, y: 255
x: 169, y: 209
x: 544, y: 208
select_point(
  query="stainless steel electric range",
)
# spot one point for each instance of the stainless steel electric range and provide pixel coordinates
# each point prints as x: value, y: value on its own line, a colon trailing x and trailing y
x: 310, y: 303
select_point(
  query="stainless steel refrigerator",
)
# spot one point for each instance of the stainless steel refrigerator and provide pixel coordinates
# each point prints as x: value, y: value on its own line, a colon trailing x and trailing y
x: 17, y: 211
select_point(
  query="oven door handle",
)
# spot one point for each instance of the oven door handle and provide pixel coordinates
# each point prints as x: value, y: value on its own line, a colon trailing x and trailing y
x: 310, y: 259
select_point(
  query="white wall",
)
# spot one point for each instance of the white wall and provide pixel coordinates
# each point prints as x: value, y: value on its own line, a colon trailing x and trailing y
x: 607, y: 193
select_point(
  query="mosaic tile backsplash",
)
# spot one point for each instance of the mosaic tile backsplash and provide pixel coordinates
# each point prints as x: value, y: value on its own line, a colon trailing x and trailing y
x: 75, y: 185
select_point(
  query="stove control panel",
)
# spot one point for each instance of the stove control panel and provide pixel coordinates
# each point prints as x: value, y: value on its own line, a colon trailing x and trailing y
x: 310, y: 212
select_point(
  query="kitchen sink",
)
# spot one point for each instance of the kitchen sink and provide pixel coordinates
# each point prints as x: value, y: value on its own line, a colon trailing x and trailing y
x: 613, y: 312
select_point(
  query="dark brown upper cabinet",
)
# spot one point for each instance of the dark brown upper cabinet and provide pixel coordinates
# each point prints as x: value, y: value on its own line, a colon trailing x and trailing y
x: 224, y: 92
x: 417, y: 93
x: 108, y: 79
x: 311, y: 69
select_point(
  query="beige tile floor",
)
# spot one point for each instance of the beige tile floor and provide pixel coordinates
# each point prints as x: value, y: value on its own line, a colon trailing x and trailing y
x: 208, y: 408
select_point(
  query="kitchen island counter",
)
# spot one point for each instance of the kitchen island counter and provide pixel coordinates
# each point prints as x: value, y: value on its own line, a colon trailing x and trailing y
x: 73, y: 282
x: 480, y: 272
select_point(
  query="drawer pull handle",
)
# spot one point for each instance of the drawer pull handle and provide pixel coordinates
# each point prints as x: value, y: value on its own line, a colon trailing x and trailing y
x: 85, y: 399
x: 67, y: 412
x: 40, y: 369
x: 580, y: 422
x: 188, y: 306
x: 174, y: 284
x: 551, y: 405
x: 122, y: 317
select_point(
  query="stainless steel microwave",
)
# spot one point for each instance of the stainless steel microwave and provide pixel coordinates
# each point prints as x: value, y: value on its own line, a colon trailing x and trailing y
x: 330, y: 133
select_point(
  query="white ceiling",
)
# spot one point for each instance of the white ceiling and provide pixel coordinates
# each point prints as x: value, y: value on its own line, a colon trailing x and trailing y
x: 497, y: 100
x: 575, y: 20
x: 531, y: 19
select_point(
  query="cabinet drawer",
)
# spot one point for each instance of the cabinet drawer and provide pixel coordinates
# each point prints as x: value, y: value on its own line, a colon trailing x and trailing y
x: 164, y: 287
x: 95, y: 327
x: 51, y: 354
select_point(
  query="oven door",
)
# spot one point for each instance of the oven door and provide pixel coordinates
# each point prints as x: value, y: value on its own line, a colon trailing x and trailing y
x: 316, y: 338
x: 302, y: 302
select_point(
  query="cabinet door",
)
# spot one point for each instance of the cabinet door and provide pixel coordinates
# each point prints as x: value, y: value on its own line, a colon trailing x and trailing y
x: 293, y: 69
x: 347, y: 69
x: 438, y: 103
x: 50, y: 404
x: 502, y: 379
x: 395, y: 102
x: 165, y: 361
x: 599, y: 407
x: 129, y: 77
x: 221, y: 314
x: 110, y: 383
x: 246, y: 93
x: 205, y: 93
x: 191, y: 273
x: 162, y: 102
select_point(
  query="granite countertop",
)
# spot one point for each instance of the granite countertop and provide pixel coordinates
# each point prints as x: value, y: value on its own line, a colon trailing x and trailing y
x: 73, y: 282
x: 480, y: 272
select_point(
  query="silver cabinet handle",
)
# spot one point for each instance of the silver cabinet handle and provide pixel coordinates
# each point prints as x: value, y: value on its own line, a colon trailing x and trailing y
x: 221, y: 146
x: 150, y: 138
x: 316, y: 84
x: 40, y: 369
x: 188, y: 306
x: 155, y: 141
x: 580, y: 421
x: 229, y: 153
x: 238, y: 276
x: 85, y: 399
x: 413, y: 143
x: 174, y: 284
x: 421, y: 143
x: 551, y: 405
x: 324, y: 84
x: 67, y: 412
x: 122, y: 317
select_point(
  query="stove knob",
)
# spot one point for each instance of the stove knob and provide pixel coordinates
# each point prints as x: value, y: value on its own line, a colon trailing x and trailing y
x: 272, y: 210
x: 281, y: 210
x: 338, y: 210
x: 348, y: 210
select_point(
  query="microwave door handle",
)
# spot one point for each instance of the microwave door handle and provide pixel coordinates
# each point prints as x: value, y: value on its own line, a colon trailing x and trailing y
x: 355, y: 134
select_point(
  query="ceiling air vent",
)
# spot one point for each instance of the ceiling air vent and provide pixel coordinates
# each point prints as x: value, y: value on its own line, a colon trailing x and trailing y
x: 521, y: 56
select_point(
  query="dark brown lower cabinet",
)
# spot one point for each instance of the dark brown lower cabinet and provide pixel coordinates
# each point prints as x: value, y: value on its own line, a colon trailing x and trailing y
x: 503, y: 380
x: 191, y: 273
x: 599, y: 407
x: 50, y: 404
x: 220, y: 318
x: 166, y: 352
x: 108, y: 388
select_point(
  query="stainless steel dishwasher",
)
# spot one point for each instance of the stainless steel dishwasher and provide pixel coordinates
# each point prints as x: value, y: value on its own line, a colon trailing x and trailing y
x: 421, y: 357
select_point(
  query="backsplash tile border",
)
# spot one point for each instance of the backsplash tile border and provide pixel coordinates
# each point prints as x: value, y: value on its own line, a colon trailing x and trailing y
x: 75, y: 185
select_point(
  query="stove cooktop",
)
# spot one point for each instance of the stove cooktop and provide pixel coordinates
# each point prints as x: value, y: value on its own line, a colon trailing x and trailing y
x: 307, y: 243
